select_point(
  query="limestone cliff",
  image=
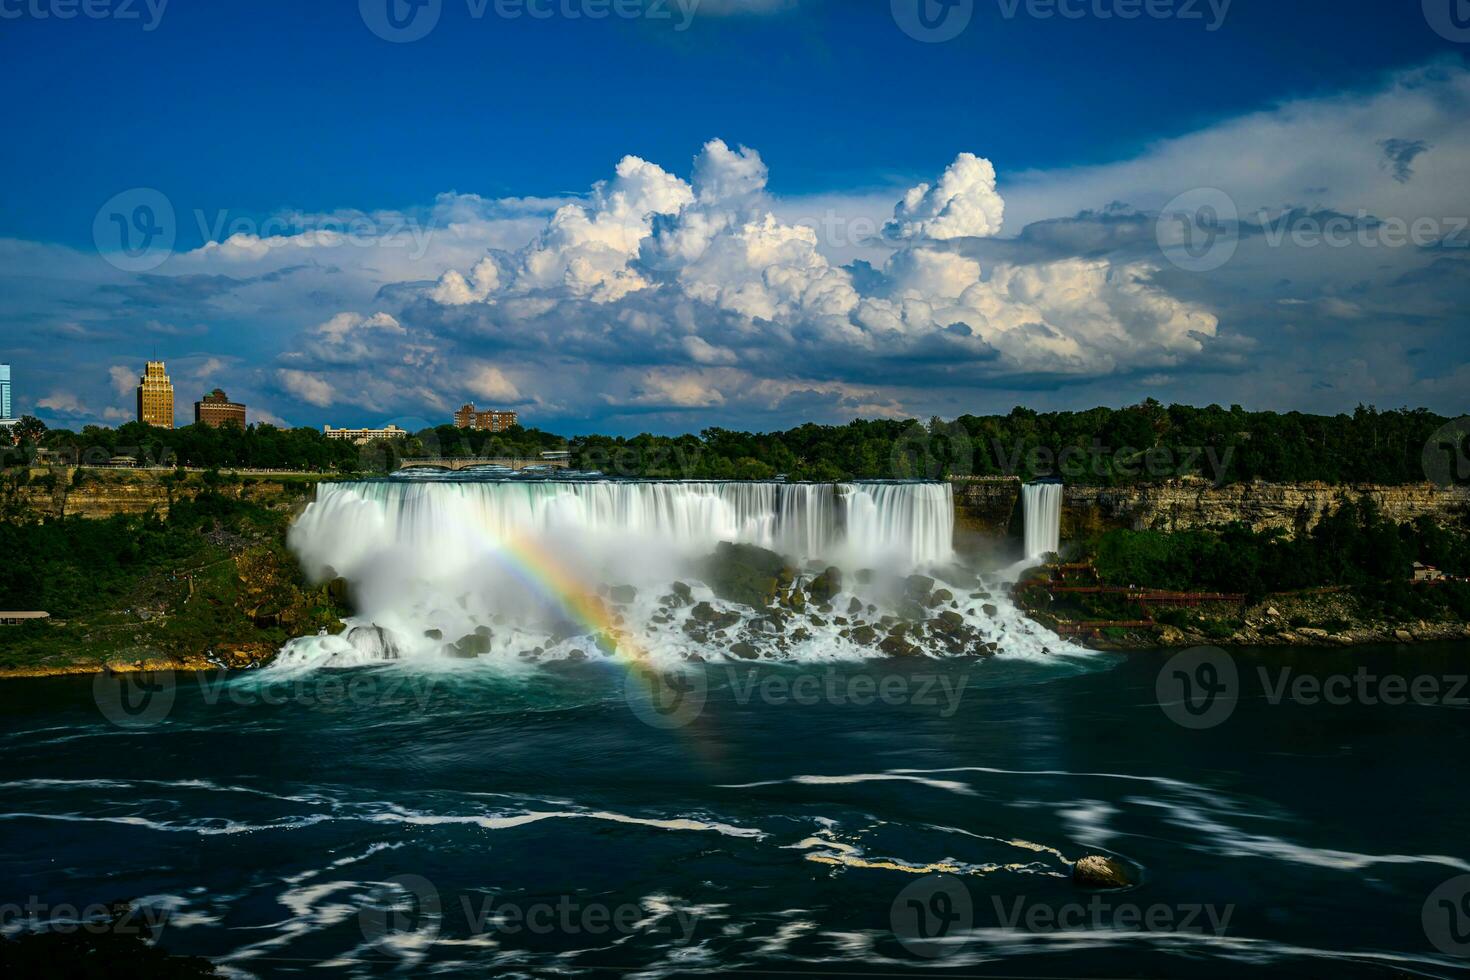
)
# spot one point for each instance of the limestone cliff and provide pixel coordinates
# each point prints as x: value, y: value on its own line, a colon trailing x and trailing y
x: 1184, y: 504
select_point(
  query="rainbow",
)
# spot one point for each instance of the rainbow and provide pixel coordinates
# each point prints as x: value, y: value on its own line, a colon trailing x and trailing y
x: 537, y: 569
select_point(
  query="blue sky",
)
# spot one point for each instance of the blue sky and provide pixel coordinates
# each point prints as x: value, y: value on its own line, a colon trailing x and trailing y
x: 770, y: 281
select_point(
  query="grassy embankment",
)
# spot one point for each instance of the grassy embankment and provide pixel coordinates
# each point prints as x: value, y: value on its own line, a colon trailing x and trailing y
x: 211, y: 583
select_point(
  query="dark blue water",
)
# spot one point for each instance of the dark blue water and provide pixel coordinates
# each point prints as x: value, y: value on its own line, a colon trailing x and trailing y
x: 378, y: 821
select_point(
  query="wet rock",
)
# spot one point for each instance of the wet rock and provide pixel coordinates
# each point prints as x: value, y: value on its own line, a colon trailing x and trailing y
x: 682, y: 591
x: 576, y: 656
x: 918, y: 587
x: 939, y: 597
x: 855, y: 606
x: 897, y: 645
x: 1096, y: 871
x: 623, y: 595
x: 960, y: 577
x: 865, y: 635
x: 990, y: 610
x: 912, y: 611
x: 746, y: 574
x: 1403, y: 636
x: 825, y: 586
x: 745, y: 651
x: 950, y: 621
x: 711, y: 618
x: 471, y: 646
x: 374, y: 641
x: 434, y: 634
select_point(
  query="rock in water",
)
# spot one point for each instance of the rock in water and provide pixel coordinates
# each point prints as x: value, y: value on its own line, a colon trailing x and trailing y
x: 1096, y: 871
x: 623, y: 595
x: 746, y: 574
x: 826, y: 585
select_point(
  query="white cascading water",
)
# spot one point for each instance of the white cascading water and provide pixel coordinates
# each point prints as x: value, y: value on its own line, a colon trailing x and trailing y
x: 490, y: 569
x: 1041, y: 505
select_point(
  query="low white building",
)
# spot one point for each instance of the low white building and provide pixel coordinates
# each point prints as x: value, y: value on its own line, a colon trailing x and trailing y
x: 361, y: 436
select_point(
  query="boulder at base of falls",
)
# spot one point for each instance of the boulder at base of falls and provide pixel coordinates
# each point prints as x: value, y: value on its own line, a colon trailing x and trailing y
x: 471, y: 646
x: 826, y: 585
x: 746, y: 574
x: 918, y: 587
x: 1096, y: 871
x: 708, y: 616
x: 622, y: 595
x: 744, y: 650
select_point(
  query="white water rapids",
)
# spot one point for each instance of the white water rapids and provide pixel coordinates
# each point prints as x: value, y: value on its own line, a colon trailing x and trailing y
x: 507, y: 571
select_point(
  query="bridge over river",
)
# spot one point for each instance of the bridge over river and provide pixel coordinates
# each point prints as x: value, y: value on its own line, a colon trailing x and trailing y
x: 454, y: 463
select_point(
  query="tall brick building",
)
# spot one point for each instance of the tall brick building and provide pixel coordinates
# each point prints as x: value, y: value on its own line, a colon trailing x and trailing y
x: 156, y: 396
x: 216, y: 409
x: 487, y: 421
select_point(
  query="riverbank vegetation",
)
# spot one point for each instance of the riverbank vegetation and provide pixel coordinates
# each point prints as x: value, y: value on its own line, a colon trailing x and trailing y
x: 210, y: 583
x: 1352, y: 575
x: 1102, y: 446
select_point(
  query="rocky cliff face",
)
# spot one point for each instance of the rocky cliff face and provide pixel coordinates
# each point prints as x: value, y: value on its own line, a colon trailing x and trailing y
x: 132, y: 492
x: 1184, y: 504
x: 986, y: 504
x: 991, y: 505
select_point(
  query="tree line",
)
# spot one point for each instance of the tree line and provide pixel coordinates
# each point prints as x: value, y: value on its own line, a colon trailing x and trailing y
x: 1102, y: 446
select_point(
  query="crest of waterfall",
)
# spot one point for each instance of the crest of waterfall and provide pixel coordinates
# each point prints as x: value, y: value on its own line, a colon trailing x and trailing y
x: 448, y: 525
x: 1041, y: 505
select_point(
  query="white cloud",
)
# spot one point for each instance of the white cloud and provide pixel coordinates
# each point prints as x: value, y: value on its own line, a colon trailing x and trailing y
x: 124, y: 379
x: 63, y: 402
x: 490, y: 382
x: 964, y: 204
x: 675, y: 390
x: 454, y: 289
x: 307, y: 386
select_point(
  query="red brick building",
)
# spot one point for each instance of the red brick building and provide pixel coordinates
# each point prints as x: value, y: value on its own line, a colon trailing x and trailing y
x: 488, y: 421
x: 216, y: 409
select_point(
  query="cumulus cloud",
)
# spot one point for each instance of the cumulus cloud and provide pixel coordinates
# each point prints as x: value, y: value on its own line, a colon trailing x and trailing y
x: 490, y: 382
x: 963, y: 204
x: 705, y: 274
x: 308, y: 387
x: 674, y: 286
x: 124, y: 379
x: 456, y: 289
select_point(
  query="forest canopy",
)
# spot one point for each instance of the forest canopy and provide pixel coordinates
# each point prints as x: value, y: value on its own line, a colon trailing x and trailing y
x: 1102, y: 446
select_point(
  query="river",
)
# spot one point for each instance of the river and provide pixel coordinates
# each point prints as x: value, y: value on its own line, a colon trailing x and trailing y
x: 376, y: 807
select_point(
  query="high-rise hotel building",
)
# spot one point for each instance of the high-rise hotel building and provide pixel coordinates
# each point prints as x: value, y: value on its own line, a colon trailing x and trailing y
x: 156, y: 397
x: 4, y: 392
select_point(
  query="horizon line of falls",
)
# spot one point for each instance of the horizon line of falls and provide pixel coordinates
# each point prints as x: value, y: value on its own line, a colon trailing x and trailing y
x: 516, y: 571
x: 1041, y: 505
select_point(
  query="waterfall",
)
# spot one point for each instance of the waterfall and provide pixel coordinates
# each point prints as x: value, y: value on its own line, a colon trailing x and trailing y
x: 1042, y: 506
x: 440, y: 526
x: 507, y: 572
